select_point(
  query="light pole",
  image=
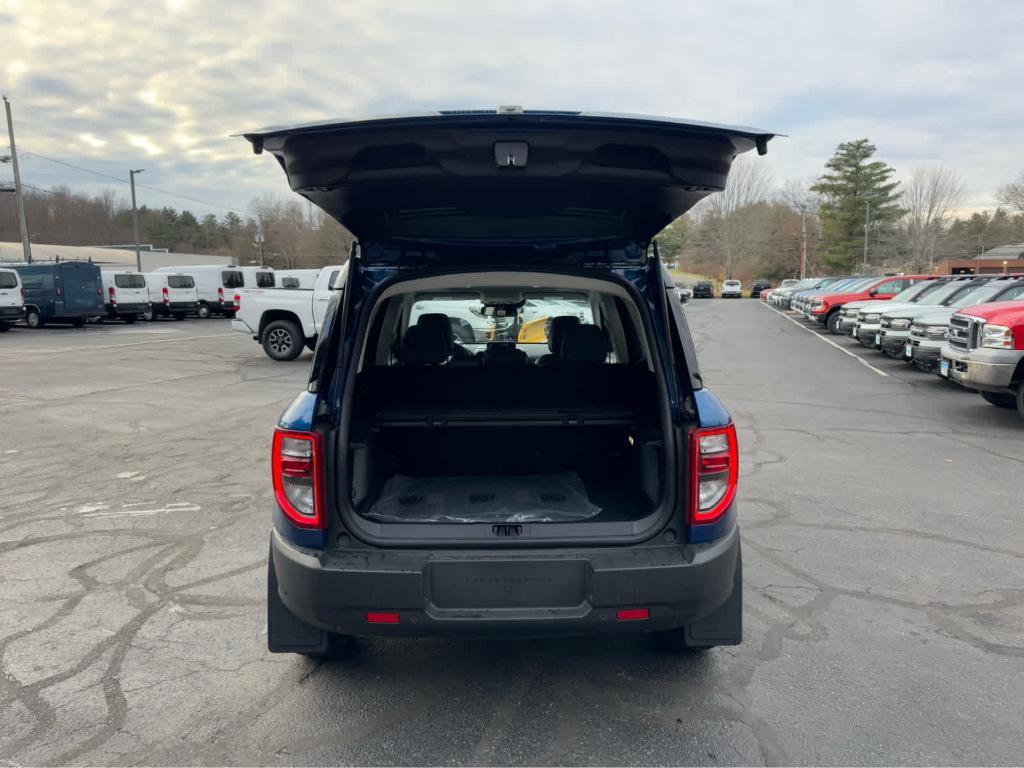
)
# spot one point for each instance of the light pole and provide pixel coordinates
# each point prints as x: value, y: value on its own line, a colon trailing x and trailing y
x: 26, y: 246
x: 135, y: 218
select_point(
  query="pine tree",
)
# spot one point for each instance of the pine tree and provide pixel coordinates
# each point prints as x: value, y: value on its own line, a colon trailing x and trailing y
x: 855, y: 187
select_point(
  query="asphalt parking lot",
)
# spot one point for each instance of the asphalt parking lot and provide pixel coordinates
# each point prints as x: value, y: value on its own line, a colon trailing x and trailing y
x: 883, y: 550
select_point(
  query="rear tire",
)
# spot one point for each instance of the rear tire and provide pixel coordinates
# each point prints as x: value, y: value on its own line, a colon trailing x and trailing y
x: 149, y: 315
x: 33, y: 319
x: 282, y: 340
x: 1002, y: 399
x: 203, y: 312
x: 1020, y: 399
x: 832, y: 323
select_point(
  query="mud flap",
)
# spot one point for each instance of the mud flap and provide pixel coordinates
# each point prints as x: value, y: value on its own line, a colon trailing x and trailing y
x: 725, y: 625
x: 286, y: 632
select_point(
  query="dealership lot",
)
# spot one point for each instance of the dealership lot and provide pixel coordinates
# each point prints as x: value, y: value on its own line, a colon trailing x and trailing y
x: 883, y: 558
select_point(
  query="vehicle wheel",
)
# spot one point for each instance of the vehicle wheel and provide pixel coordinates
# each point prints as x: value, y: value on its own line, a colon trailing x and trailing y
x: 674, y: 641
x: 282, y: 340
x: 1002, y: 399
x: 832, y: 323
x: 179, y: 315
x: 33, y: 319
x: 1020, y: 399
x: 203, y: 312
x: 149, y: 314
x: 130, y: 318
x: 4, y: 327
x: 78, y: 322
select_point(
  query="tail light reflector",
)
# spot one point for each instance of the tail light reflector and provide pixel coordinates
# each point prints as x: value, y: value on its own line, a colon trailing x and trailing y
x: 167, y: 295
x: 381, y: 617
x: 113, y: 295
x: 59, y: 292
x: 220, y: 295
x: 714, y: 473
x: 633, y: 614
x: 238, y: 301
x: 297, y: 466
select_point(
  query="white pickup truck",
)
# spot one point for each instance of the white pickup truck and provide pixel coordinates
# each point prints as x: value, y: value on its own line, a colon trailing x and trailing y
x: 284, y: 320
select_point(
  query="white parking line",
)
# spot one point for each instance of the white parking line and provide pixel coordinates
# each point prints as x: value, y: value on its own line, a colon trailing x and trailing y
x: 63, y: 350
x: 800, y: 325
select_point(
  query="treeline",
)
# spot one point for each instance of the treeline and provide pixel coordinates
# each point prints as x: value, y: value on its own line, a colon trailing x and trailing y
x: 755, y: 229
x: 289, y: 232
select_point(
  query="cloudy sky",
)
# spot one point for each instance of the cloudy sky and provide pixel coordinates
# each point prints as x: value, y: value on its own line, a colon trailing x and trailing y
x: 112, y: 85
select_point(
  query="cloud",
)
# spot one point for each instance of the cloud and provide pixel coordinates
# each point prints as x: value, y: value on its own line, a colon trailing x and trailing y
x: 928, y: 83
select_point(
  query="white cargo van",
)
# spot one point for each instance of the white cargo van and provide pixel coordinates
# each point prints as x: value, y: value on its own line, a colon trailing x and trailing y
x: 216, y: 285
x: 171, y: 295
x: 125, y: 296
x: 12, y: 300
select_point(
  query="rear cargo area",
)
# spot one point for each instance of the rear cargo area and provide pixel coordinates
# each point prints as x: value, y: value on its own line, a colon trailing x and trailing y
x: 516, y: 444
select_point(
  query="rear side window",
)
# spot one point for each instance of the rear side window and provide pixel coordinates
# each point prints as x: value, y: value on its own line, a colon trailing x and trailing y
x: 332, y: 278
x: 180, y: 281
x: 42, y: 282
x: 289, y: 282
x: 264, y: 279
x: 129, y: 281
x: 1013, y: 294
x: 232, y: 279
x: 8, y: 280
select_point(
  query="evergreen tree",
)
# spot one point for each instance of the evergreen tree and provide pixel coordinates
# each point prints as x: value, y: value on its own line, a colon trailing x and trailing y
x: 855, y: 188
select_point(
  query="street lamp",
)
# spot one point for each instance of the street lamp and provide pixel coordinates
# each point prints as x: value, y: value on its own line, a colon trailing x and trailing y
x: 135, y: 218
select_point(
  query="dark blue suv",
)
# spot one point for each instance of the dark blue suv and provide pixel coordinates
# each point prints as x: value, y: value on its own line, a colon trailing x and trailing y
x: 505, y: 429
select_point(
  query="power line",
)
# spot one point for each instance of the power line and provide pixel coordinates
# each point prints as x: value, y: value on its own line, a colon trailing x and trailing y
x: 124, y: 181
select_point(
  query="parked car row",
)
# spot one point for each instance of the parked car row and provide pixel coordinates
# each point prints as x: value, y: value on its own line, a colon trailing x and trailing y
x: 731, y: 289
x: 77, y: 292
x: 968, y: 329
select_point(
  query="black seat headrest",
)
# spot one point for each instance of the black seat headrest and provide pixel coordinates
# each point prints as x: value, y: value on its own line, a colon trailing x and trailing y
x: 440, y: 321
x: 556, y: 331
x: 425, y: 345
x: 584, y: 344
x: 504, y: 355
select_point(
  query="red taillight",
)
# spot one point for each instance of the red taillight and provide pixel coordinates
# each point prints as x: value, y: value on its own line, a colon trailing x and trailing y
x: 381, y: 617
x: 297, y: 474
x: 113, y: 295
x: 99, y: 290
x: 714, y: 474
x: 220, y: 295
x: 633, y: 614
x: 59, y: 293
x: 167, y: 295
x: 238, y: 301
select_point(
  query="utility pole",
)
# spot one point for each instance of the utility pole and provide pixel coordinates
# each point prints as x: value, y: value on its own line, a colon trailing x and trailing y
x: 867, y: 220
x: 803, y: 242
x: 26, y: 246
x: 258, y: 242
x: 135, y: 218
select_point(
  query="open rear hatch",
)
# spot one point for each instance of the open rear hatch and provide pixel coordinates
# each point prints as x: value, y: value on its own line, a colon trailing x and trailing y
x: 516, y: 175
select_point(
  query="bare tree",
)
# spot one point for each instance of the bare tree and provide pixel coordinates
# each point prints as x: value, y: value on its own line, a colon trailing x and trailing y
x: 1012, y: 194
x: 727, y: 239
x: 928, y: 196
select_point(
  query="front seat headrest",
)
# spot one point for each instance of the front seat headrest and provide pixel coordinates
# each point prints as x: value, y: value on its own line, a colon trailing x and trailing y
x: 440, y: 321
x: 585, y: 344
x: 425, y: 345
x: 556, y: 331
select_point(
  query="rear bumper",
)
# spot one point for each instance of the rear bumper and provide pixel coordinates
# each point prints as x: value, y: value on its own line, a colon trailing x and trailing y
x: 12, y: 313
x: 536, y: 592
x: 987, y: 370
x: 181, y: 306
x: 126, y: 309
x: 242, y: 327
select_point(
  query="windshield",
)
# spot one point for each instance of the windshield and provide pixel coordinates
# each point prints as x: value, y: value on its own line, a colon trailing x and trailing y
x: 129, y: 281
x: 915, y: 291
x: 939, y: 295
x: 979, y: 294
x: 474, y: 323
x: 180, y: 281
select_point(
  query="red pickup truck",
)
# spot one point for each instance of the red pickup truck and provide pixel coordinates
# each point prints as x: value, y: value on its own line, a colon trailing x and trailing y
x: 985, y: 351
x: 825, y: 308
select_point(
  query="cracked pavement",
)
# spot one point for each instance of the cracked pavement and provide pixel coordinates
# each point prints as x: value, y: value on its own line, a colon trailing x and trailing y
x: 884, y: 600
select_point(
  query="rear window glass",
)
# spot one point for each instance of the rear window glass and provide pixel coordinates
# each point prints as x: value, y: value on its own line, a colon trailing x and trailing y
x: 289, y: 282
x: 129, y: 281
x: 180, y: 281
x: 264, y: 279
x: 474, y: 323
x: 232, y: 279
x: 8, y: 280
